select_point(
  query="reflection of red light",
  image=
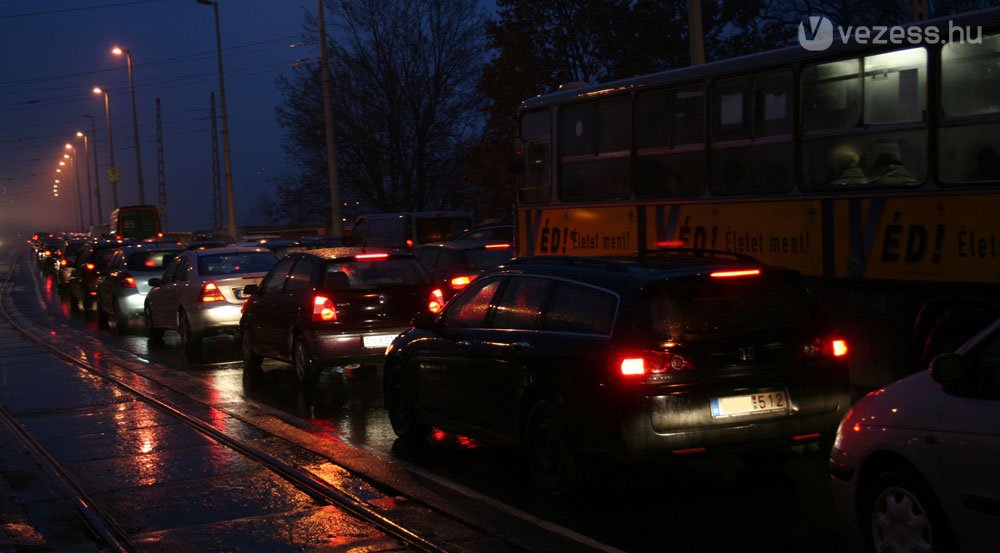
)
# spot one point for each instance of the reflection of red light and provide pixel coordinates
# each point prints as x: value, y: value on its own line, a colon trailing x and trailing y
x: 150, y: 263
x: 856, y: 427
x: 467, y: 443
x: 438, y: 435
x: 812, y: 436
x: 52, y: 332
x: 670, y: 244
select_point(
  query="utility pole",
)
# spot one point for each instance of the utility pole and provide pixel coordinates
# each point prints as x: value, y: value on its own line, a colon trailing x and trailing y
x: 695, y: 33
x: 97, y: 172
x: 216, y: 181
x: 918, y: 10
x: 160, y: 167
x: 336, y: 219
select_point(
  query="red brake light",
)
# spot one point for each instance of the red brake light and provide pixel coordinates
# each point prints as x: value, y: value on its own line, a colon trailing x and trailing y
x: 436, y: 301
x: 730, y: 274
x: 497, y: 246
x: 651, y: 364
x: 34, y: 237
x: 830, y: 347
x: 210, y: 292
x: 129, y: 282
x: 89, y: 266
x: 150, y: 263
x: 323, y: 309
x: 46, y: 253
x: 460, y: 282
x: 371, y: 256
x: 409, y: 243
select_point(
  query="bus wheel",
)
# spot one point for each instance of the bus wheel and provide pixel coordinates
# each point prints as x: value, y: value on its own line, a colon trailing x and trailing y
x: 951, y: 329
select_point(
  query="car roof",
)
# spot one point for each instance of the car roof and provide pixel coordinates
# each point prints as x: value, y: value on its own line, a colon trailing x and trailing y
x: 467, y: 244
x: 153, y: 246
x: 228, y: 249
x: 350, y: 252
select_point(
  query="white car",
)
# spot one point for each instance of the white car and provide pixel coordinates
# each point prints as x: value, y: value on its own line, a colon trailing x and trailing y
x: 916, y: 465
x: 201, y: 293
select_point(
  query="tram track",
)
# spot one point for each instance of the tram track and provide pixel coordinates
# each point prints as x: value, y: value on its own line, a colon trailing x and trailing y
x: 106, y: 528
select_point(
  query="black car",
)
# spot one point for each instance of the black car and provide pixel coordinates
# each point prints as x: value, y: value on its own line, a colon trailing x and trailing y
x: 332, y: 307
x: 67, y: 262
x: 49, y: 253
x: 653, y: 359
x: 455, y: 263
x: 91, y: 264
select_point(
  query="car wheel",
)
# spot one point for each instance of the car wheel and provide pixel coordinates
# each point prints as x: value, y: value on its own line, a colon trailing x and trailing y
x: 155, y: 334
x: 551, y: 461
x: 903, y: 515
x: 305, y: 370
x: 102, y: 317
x: 403, y: 415
x: 121, y: 321
x: 189, y: 339
x: 252, y: 362
x: 74, y: 302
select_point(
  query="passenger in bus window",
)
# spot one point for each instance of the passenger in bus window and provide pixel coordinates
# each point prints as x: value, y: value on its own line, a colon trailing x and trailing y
x: 845, y: 160
x: 884, y: 165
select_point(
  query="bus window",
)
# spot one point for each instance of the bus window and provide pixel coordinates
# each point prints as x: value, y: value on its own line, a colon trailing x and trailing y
x: 970, y: 78
x: 761, y: 166
x: 968, y: 154
x: 594, y: 151
x: 865, y: 161
x: 670, y: 139
x: 831, y: 95
x: 894, y: 87
x: 535, y: 180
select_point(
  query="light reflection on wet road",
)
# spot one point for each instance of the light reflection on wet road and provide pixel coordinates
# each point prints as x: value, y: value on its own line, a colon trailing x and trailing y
x: 789, y: 508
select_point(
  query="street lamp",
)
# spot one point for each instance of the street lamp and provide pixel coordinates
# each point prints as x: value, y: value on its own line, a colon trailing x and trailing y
x: 97, y: 173
x: 112, y: 171
x: 90, y: 190
x: 135, y: 120
x: 79, y: 196
x: 230, y: 204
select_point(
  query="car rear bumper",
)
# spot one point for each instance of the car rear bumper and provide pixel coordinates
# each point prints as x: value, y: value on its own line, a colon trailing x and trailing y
x: 344, y: 348
x: 130, y: 302
x: 216, y: 317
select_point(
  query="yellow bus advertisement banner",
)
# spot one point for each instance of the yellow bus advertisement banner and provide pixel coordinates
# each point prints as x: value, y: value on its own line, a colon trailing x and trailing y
x: 937, y: 238
x: 787, y: 234
x: 583, y: 231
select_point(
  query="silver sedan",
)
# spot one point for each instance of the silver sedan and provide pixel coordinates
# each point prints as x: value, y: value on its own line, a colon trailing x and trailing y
x: 201, y: 293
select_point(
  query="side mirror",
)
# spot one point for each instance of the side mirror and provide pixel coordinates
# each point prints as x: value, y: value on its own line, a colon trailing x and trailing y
x: 155, y: 282
x: 424, y: 320
x: 949, y: 370
x: 251, y: 289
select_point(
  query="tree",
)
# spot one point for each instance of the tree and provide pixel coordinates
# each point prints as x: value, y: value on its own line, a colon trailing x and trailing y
x: 405, y: 106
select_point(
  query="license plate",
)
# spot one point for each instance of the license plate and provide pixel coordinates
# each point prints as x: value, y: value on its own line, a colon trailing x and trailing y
x: 378, y: 341
x: 760, y: 402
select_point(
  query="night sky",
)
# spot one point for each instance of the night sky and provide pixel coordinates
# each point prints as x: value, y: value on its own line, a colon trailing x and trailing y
x: 56, y: 51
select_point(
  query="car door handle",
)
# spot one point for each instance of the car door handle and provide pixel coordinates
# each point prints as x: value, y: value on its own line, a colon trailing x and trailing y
x: 463, y: 343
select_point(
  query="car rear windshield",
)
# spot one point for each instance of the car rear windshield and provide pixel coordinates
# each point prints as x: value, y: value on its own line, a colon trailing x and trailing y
x: 703, y: 306
x: 485, y: 259
x: 103, y: 256
x: 236, y: 263
x: 154, y: 260
x: 438, y: 229
x: 366, y: 275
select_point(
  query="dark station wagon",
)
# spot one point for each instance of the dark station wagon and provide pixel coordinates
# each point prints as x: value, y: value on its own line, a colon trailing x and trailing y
x: 666, y: 356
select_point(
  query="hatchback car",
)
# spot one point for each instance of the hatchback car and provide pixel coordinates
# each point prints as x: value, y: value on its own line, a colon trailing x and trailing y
x: 645, y: 361
x: 332, y: 307
x: 67, y: 263
x: 91, y: 263
x: 121, y: 293
x: 914, y: 464
x: 202, y: 293
x: 455, y: 263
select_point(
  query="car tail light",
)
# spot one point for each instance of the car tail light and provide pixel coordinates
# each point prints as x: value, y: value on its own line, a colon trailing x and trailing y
x: 129, y: 282
x: 46, y: 253
x: 210, y: 292
x: 825, y: 347
x: 323, y: 309
x: 409, y: 243
x: 89, y: 266
x: 651, y: 365
x: 460, y: 282
x: 63, y: 262
x: 34, y: 237
x: 436, y: 301
x: 732, y: 274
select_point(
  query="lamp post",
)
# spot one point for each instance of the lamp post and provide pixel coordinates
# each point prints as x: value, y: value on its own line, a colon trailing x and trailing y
x: 76, y: 168
x: 112, y: 171
x: 86, y: 160
x: 230, y: 204
x: 135, y: 121
x: 97, y: 172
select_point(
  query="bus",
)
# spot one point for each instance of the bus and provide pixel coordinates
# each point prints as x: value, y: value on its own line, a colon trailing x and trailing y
x: 873, y: 170
x: 134, y: 222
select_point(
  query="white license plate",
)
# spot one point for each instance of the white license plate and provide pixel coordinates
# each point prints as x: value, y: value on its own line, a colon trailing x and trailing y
x: 378, y: 341
x: 760, y: 402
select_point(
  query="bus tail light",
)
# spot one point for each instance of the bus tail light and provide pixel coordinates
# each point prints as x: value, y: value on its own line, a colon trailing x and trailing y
x: 210, y: 292
x: 323, y: 310
x: 436, y: 301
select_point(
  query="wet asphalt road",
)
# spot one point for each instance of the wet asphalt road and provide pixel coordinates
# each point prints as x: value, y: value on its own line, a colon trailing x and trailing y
x: 784, y: 507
